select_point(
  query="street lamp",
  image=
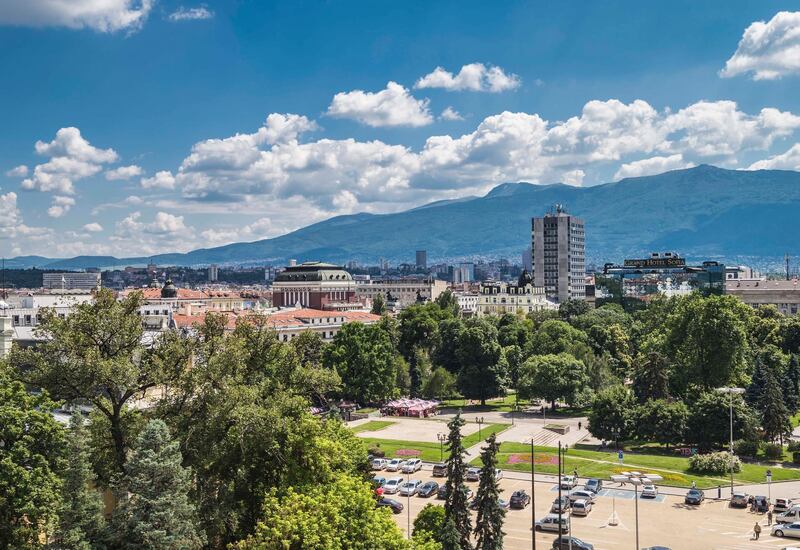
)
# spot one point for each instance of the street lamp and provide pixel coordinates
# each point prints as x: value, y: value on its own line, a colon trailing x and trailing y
x: 479, y: 421
x: 442, y: 438
x: 731, y: 392
x: 533, y: 499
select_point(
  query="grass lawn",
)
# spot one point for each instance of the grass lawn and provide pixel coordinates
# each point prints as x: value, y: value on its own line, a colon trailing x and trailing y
x: 795, y: 420
x: 603, y: 464
x: 367, y: 410
x: 429, y: 452
x: 506, y: 404
x: 371, y: 426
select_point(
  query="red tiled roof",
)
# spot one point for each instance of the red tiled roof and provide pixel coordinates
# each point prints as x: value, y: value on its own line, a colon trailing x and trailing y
x: 283, y: 319
x: 155, y: 293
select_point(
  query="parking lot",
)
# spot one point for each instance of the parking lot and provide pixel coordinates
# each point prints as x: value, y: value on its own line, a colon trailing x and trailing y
x: 664, y: 521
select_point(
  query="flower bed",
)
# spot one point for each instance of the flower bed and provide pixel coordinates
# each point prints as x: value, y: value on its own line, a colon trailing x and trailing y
x: 407, y: 452
x: 526, y: 459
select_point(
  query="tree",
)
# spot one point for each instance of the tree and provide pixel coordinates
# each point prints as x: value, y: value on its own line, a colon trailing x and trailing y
x: 362, y: 355
x: 419, y: 328
x: 340, y: 514
x: 613, y: 341
x: 651, y: 376
x: 378, y: 304
x: 662, y: 421
x: 489, y: 522
x: 440, y: 385
x: 774, y: 414
x: 515, y: 358
x: 96, y: 354
x: 791, y: 386
x: 571, y: 308
x: 709, y: 420
x: 554, y: 337
x: 81, y: 521
x: 154, y: 509
x: 552, y: 378
x: 31, y: 460
x: 446, y: 353
x: 611, y: 415
x: 455, y: 504
x: 448, y: 303
x: 483, y: 373
x: 431, y: 520
x: 755, y: 389
x: 419, y: 371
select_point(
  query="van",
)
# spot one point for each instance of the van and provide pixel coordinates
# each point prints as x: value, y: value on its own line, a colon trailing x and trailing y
x: 581, y: 507
x: 550, y: 523
x: 789, y: 516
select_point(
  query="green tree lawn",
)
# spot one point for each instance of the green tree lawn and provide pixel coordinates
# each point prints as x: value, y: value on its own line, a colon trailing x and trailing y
x: 429, y: 452
x: 371, y: 426
x: 603, y: 464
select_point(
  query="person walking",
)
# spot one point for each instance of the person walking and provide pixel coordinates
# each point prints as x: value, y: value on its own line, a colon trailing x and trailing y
x: 769, y: 517
x: 756, y: 531
x: 694, y: 485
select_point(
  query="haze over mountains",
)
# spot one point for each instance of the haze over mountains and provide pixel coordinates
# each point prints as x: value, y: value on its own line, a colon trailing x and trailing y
x: 699, y: 212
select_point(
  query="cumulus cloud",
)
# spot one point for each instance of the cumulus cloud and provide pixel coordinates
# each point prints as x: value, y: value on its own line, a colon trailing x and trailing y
x: 99, y: 15
x: 61, y: 205
x: 393, y: 106
x: 650, y: 166
x: 124, y: 173
x: 768, y: 50
x: 18, y: 171
x: 451, y: 114
x: 790, y: 160
x: 163, y: 180
x: 93, y: 227
x: 11, y: 217
x: 259, y: 229
x: 475, y: 77
x: 191, y: 14
x: 163, y: 224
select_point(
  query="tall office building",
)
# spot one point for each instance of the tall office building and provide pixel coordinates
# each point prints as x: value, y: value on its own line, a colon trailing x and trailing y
x: 71, y: 281
x: 559, y: 255
x: 527, y: 259
x: 213, y: 273
x: 422, y: 259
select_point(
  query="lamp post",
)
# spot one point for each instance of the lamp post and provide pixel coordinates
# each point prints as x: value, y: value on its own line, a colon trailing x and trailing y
x: 636, y: 482
x: 442, y: 438
x: 479, y: 422
x: 533, y: 499
x: 731, y: 392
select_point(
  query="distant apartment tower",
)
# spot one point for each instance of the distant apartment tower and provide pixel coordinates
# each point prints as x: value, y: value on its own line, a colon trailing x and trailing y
x: 213, y: 273
x: 527, y: 259
x: 422, y: 259
x: 464, y: 273
x: 559, y: 255
x: 71, y: 281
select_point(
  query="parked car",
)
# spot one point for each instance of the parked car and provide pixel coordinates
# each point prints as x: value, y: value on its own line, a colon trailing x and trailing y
x: 571, y: 543
x: 473, y: 474
x: 427, y: 489
x: 378, y: 463
x: 791, y: 515
x: 694, y: 496
x: 392, y: 485
x: 411, y: 466
x: 781, y: 505
x: 504, y: 505
x: 442, y: 492
x: 520, y: 499
x: 594, y: 485
x: 394, y: 465
x: 378, y: 481
x: 440, y: 470
x: 649, y: 491
x: 568, y: 482
x: 740, y: 500
x: 578, y: 494
x: 786, y: 530
x: 409, y: 488
x: 550, y: 523
x: 561, y: 504
x: 761, y: 504
x: 581, y: 507
x: 396, y: 506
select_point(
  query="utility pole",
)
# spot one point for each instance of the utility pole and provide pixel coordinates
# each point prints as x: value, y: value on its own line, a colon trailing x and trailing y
x: 533, y: 499
x: 560, y: 504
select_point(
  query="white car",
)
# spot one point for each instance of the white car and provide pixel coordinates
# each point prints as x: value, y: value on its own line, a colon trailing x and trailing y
x: 498, y: 474
x: 473, y: 474
x: 550, y: 523
x: 568, y: 482
x: 649, y: 491
x: 392, y: 485
x: 409, y: 488
x: 378, y: 463
x: 581, y: 507
x: 582, y: 494
x: 411, y: 466
x: 394, y: 465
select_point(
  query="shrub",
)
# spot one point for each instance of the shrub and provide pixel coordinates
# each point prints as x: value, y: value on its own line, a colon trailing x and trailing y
x: 377, y: 452
x: 796, y: 457
x: 793, y: 446
x: 714, y: 463
x: 745, y: 447
x: 773, y: 451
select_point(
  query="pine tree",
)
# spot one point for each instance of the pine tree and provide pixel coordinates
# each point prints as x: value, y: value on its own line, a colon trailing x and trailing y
x: 774, y: 416
x: 455, y: 506
x: 378, y: 304
x: 155, y: 511
x: 450, y: 537
x: 791, y: 386
x: 489, y: 523
x: 415, y: 374
x: 755, y: 390
x: 81, y: 521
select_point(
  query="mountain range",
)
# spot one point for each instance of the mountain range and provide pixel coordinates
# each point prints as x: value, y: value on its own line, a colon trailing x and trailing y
x: 700, y: 212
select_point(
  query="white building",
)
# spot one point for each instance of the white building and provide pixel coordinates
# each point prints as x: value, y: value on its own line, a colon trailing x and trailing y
x: 467, y: 302
x: 497, y: 298
x: 71, y: 281
x: 559, y: 250
x: 23, y: 312
x: 403, y: 292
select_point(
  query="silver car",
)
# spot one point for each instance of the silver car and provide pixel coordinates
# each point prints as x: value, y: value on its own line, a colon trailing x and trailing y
x: 786, y: 530
x: 550, y: 523
x: 582, y: 494
x: 581, y: 507
x: 409, y: 488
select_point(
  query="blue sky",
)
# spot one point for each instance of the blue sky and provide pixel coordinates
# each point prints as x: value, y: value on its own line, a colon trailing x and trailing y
x: 166, y: 126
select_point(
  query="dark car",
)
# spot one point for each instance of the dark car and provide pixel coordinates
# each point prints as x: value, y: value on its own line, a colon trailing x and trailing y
x: 561, y: 504
x: 761, y: 504
x: 694, y: 496
x: 442, y: 492
x: 440, y: 470
x: 594, y: 485
x: 520, y: 499
x: 427, y: 489
x: 397, y: 507
x: 565, y: 543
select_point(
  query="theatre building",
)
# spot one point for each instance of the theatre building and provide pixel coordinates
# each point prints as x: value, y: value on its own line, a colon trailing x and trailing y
x: 315, y: 285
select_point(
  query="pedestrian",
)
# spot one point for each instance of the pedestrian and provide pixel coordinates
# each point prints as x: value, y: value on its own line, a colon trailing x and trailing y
x: 694, y: 485
x: 579, y: 425
x: 769, y: 517
x: 575, y: 473
x: 757, y: 531
x: 719, y: 491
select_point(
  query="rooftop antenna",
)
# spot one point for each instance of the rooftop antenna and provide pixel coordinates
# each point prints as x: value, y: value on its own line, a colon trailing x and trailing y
x: 786, y: 260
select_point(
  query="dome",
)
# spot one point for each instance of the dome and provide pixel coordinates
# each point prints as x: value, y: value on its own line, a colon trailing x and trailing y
x: 169, y: 290
x: 524, y: 278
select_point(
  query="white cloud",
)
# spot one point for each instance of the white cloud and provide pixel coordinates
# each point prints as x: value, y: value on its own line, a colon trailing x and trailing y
x: 650, y: 166
x: 99, y: 15
x: 162, y: 224
x: 475, y: 77
x: 18, y: 171
x: 451, y: 114
x: 393, y: 106
x: 190, y: 14
x: 768, y: 50
x: 124, y: 173
x: 61, y: 205
x: 163, y: 180
x: 259, y: 229
x: 573, y: 177
x: 72, y: 158
x: 790, y: 160
x: 11, y: 217
x: 93, y: 227
x: 12, y: 226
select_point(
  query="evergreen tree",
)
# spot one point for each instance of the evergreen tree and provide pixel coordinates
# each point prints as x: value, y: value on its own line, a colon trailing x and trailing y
x: 755, y: 390
x: 81, y: 523
x: 489, y: 523
x: 450, y: 537
x: 455, y: 505
x: 774, y: 414
x: 379, y: 305
x: 155, y: 511
x: 416, y: 377
x: 791, y: 386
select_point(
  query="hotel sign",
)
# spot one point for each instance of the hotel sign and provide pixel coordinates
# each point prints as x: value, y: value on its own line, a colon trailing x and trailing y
x: 656, y: 262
